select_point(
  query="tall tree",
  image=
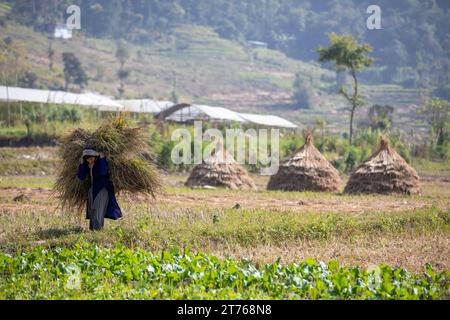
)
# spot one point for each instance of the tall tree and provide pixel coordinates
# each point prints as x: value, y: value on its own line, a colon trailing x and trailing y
x: 50, y: 53
x: 303, y: 92
x: 122, y: 55
x: 348, y: 55
x: 73, y: 71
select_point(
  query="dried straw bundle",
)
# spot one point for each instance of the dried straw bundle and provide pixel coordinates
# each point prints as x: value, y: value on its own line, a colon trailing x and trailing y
x: 385, y: 172
x: 126, y: 150
x: 220, y: 170
x: 306, y: 170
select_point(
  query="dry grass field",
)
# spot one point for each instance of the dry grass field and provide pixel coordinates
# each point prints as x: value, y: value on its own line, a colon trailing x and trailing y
x: 364, y: 230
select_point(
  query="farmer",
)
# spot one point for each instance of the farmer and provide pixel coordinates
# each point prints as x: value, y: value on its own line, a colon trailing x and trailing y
x: 102, y: 201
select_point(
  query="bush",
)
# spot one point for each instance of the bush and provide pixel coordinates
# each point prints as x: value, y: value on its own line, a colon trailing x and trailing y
x: 303, y: 93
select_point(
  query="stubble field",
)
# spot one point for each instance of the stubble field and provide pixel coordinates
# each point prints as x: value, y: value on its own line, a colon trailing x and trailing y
x: 363, y: 231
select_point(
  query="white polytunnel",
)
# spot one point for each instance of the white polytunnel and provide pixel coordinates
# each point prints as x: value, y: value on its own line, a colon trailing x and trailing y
x: 268, y: 120
x: 145, y: 105
x: 202, y: 112
x: 180, y: 113
x: 16, y: 94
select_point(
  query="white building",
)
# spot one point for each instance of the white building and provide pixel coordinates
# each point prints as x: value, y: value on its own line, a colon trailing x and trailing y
x: 62, y: 32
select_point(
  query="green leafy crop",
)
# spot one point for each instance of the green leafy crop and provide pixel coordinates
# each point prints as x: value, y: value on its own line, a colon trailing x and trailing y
x: 91, y: 272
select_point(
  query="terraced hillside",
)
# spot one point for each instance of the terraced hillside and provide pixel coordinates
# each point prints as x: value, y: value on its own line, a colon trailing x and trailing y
x: 201, y: 67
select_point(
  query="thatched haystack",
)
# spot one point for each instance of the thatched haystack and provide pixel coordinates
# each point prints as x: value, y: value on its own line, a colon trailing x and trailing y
x: 306, y: 170
x: 126, y: 151
x: 220, y: 170
x: 385, y: 172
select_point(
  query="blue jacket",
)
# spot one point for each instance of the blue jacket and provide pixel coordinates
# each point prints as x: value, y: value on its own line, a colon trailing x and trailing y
x: 101, y: 180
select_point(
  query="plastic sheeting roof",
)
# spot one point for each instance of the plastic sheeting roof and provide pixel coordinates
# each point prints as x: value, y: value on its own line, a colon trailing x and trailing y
x: 197, y: 112
x: 192, y: 112
x: 145, y: 105
x: 56, y: 97
x: 268, y: 120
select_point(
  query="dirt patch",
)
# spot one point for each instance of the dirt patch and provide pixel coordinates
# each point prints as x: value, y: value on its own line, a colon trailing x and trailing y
x: 247, y: 200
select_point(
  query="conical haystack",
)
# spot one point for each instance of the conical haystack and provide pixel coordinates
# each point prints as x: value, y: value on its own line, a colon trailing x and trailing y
x: 384, y: 172
x: 306, y: 170
x: 220, y: 170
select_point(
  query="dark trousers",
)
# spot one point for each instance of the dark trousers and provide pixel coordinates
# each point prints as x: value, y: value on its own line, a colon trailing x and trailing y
x: 97, y: 209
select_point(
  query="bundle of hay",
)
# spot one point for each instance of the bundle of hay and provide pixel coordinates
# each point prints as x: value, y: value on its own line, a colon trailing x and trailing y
x: 306, y: 170
x: 220, y: 170
x: 385, y: 172
x: 126, y: 150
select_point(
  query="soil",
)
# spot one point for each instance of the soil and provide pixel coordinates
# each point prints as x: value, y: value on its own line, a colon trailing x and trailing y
x: 41, y: 197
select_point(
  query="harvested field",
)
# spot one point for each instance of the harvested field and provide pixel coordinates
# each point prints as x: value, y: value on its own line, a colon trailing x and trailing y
x: 361, y: 230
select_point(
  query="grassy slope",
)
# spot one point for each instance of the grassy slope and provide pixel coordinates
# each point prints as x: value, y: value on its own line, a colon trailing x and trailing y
x: 208, y: 70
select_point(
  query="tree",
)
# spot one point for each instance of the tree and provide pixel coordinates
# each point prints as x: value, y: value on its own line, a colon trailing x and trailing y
x: 50, y: 54
x: 123, y: 74
x: 348, y: 55
x: 437, y: 114
x: 303, y: 92
x: 380, y: 116
x: 28, y: 79
x: 122, y: 55
x: 73, y: 71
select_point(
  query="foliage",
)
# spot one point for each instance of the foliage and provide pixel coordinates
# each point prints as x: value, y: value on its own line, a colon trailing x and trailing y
x: 91, y: 272
x: 64, y: 113
x: 303, y: 93
x: 348, y: 55
x: 122, y: 54
x: 380, y: 117
x: 437, y: 114
x: 13, y: 70
x: 412, y: 52
x: 73, y: 71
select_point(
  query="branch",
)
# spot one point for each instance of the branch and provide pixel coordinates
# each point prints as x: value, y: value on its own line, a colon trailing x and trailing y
x: 345, y: 94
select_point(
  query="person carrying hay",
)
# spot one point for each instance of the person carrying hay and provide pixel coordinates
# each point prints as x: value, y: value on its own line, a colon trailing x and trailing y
x: 85, y: 173
x: 101, y: 199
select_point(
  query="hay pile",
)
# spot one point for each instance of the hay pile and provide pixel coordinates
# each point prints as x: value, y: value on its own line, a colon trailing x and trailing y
x: 385, y: 172
x: 220, y: 170
x: 306, y: 170
x: 126, y: 150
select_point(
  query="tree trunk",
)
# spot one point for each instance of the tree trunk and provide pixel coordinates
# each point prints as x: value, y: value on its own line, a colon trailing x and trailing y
x: 354, y: 103
x: 351, y: 124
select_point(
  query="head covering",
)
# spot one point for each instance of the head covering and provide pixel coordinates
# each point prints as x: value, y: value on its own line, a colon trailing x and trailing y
x: 90, y: 153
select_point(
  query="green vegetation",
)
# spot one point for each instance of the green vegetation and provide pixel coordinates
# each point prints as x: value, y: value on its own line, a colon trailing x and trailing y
x: 410, y: 53
x: 46, y: 250
x: 49, y: 123
x: 437, y: 114
x: 348, y: 55
x: 303, y: 92
x: 90, y: 272
x: 73, y: 71
x: 225, y: 244
x: 122, y: 55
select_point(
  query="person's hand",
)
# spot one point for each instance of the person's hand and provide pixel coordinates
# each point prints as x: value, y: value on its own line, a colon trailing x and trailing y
x: 81, y: 160
x: 101, y: 155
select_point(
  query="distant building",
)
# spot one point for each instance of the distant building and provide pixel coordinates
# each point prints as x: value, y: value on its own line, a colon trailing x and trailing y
x: 62, y: 32
x: 258, y: 44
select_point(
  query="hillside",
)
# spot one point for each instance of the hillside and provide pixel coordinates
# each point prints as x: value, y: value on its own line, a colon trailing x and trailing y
x: 411, y: 47
x: 203, y: 68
